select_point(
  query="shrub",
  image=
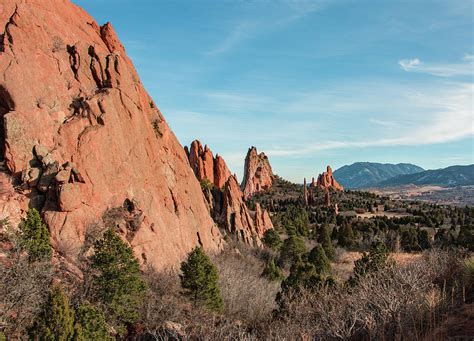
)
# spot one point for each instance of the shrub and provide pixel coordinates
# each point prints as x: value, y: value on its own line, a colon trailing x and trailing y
x: 34, y: 236
x: 272, y: 272
x: 370, y: 262
x: 325, y: 239
x: 272, y: 240
x: 346, y: 235
x: 90, y: 324
x: 318, y: 258
x: 293, y: 247
x: 116, y: 281
x: 200, y: 279
x: 56, y: 322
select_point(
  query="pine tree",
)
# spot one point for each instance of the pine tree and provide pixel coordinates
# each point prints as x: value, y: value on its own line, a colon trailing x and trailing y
x: 272, y: 272
x: 346, y: 235
x: 271, y: 239
x: 90, y: 324
x: 34, y: 236
x: 293, y: 247
x: 318, y: 258
x: 325, y: 240
x: 116, y: 280
x: 56, y: 322
x: 373, y: 261
x: 304, y: 275
x: 201, y: 280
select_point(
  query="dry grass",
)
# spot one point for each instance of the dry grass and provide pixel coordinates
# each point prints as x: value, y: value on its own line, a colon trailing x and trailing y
x: 343, y: 266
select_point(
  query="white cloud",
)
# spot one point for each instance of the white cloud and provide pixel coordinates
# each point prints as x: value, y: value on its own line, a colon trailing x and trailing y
x: 409, y: 64
x: 450, y: 117
x: 465, y: 68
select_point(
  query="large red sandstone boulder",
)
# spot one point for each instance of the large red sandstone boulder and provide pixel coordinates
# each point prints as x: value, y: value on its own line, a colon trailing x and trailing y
x: 68, y: 85
x: 258, y: 175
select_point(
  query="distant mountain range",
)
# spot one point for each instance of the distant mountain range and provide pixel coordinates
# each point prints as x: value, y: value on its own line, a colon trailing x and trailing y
x: 370, y: 174
x: 447, y: 177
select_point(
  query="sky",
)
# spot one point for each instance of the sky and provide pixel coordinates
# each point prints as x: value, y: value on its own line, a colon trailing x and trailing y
x: 309, y: 82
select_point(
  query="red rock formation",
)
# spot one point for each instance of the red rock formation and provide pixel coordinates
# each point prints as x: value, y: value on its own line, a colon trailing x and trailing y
x: 258, y: 175
x: 221, y: 172
x: 262, y: 221
x: 305, y: 193
x: 69, y: 88
x: 326, y: 180
x: 225, y: 200
x: 205, y: 166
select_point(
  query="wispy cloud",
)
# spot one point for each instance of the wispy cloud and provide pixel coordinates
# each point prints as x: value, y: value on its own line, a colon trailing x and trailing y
x: 452, y: 118
x: 464, y: 68
x: 238, y: 33
x: 290, y: 11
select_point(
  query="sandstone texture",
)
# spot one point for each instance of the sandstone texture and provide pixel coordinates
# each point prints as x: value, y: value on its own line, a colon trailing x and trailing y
x: 258, y: 175
x: 225, y: 199
x: 206, y: 166
x: 82, y: 137
x: 326, y: 181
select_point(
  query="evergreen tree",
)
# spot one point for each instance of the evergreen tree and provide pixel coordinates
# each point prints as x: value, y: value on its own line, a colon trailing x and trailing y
x: 90, y: 324
x: 370, y: 262
x: 318, y: 258
x: 424, y: 239
x: 34, y: 236
x: 272, y: 272
x: 346, y: 235
x: 271, y: 239
x: 293, y: 247
x: 116, y: 279
x: 56, y: 322
x: 201, y: 280
x: 304, y: 275
x: 409, y: 239
x: 325, y: 240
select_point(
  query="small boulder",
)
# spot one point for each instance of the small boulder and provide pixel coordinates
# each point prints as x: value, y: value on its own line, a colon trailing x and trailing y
x: 69, y: 197
x: 40, y: 151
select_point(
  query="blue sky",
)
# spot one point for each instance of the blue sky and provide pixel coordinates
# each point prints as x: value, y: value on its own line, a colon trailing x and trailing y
x: 310, y: 82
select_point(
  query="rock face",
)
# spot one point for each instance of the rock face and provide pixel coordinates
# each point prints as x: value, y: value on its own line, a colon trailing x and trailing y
x: 258, y: 175
x: 326, y: 181
x: 226, y: 200
x: 205, y: 166
x: 83, y: 137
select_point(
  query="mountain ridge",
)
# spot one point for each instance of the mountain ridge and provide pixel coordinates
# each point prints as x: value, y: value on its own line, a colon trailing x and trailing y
x: 369, y: 174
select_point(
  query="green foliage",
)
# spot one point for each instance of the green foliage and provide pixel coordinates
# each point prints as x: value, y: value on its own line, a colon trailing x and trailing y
x: 90, y: 324
x: 346, y: 235
x: 296, y: 220
x: 304, y: 275
x: 293, y: 247
x: 206, y: 184
x: 116, y: 279
x: 34, y: 236
x: 409, y: 239
x: 56, y: 322
x: 201, y: 281
x: 466, y: 237
x: 272, y: 272
x: 318, y: 258
x: 272, y: 239
x: 373, y: 261
x: 325, y: 240
x: 424, y: 239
